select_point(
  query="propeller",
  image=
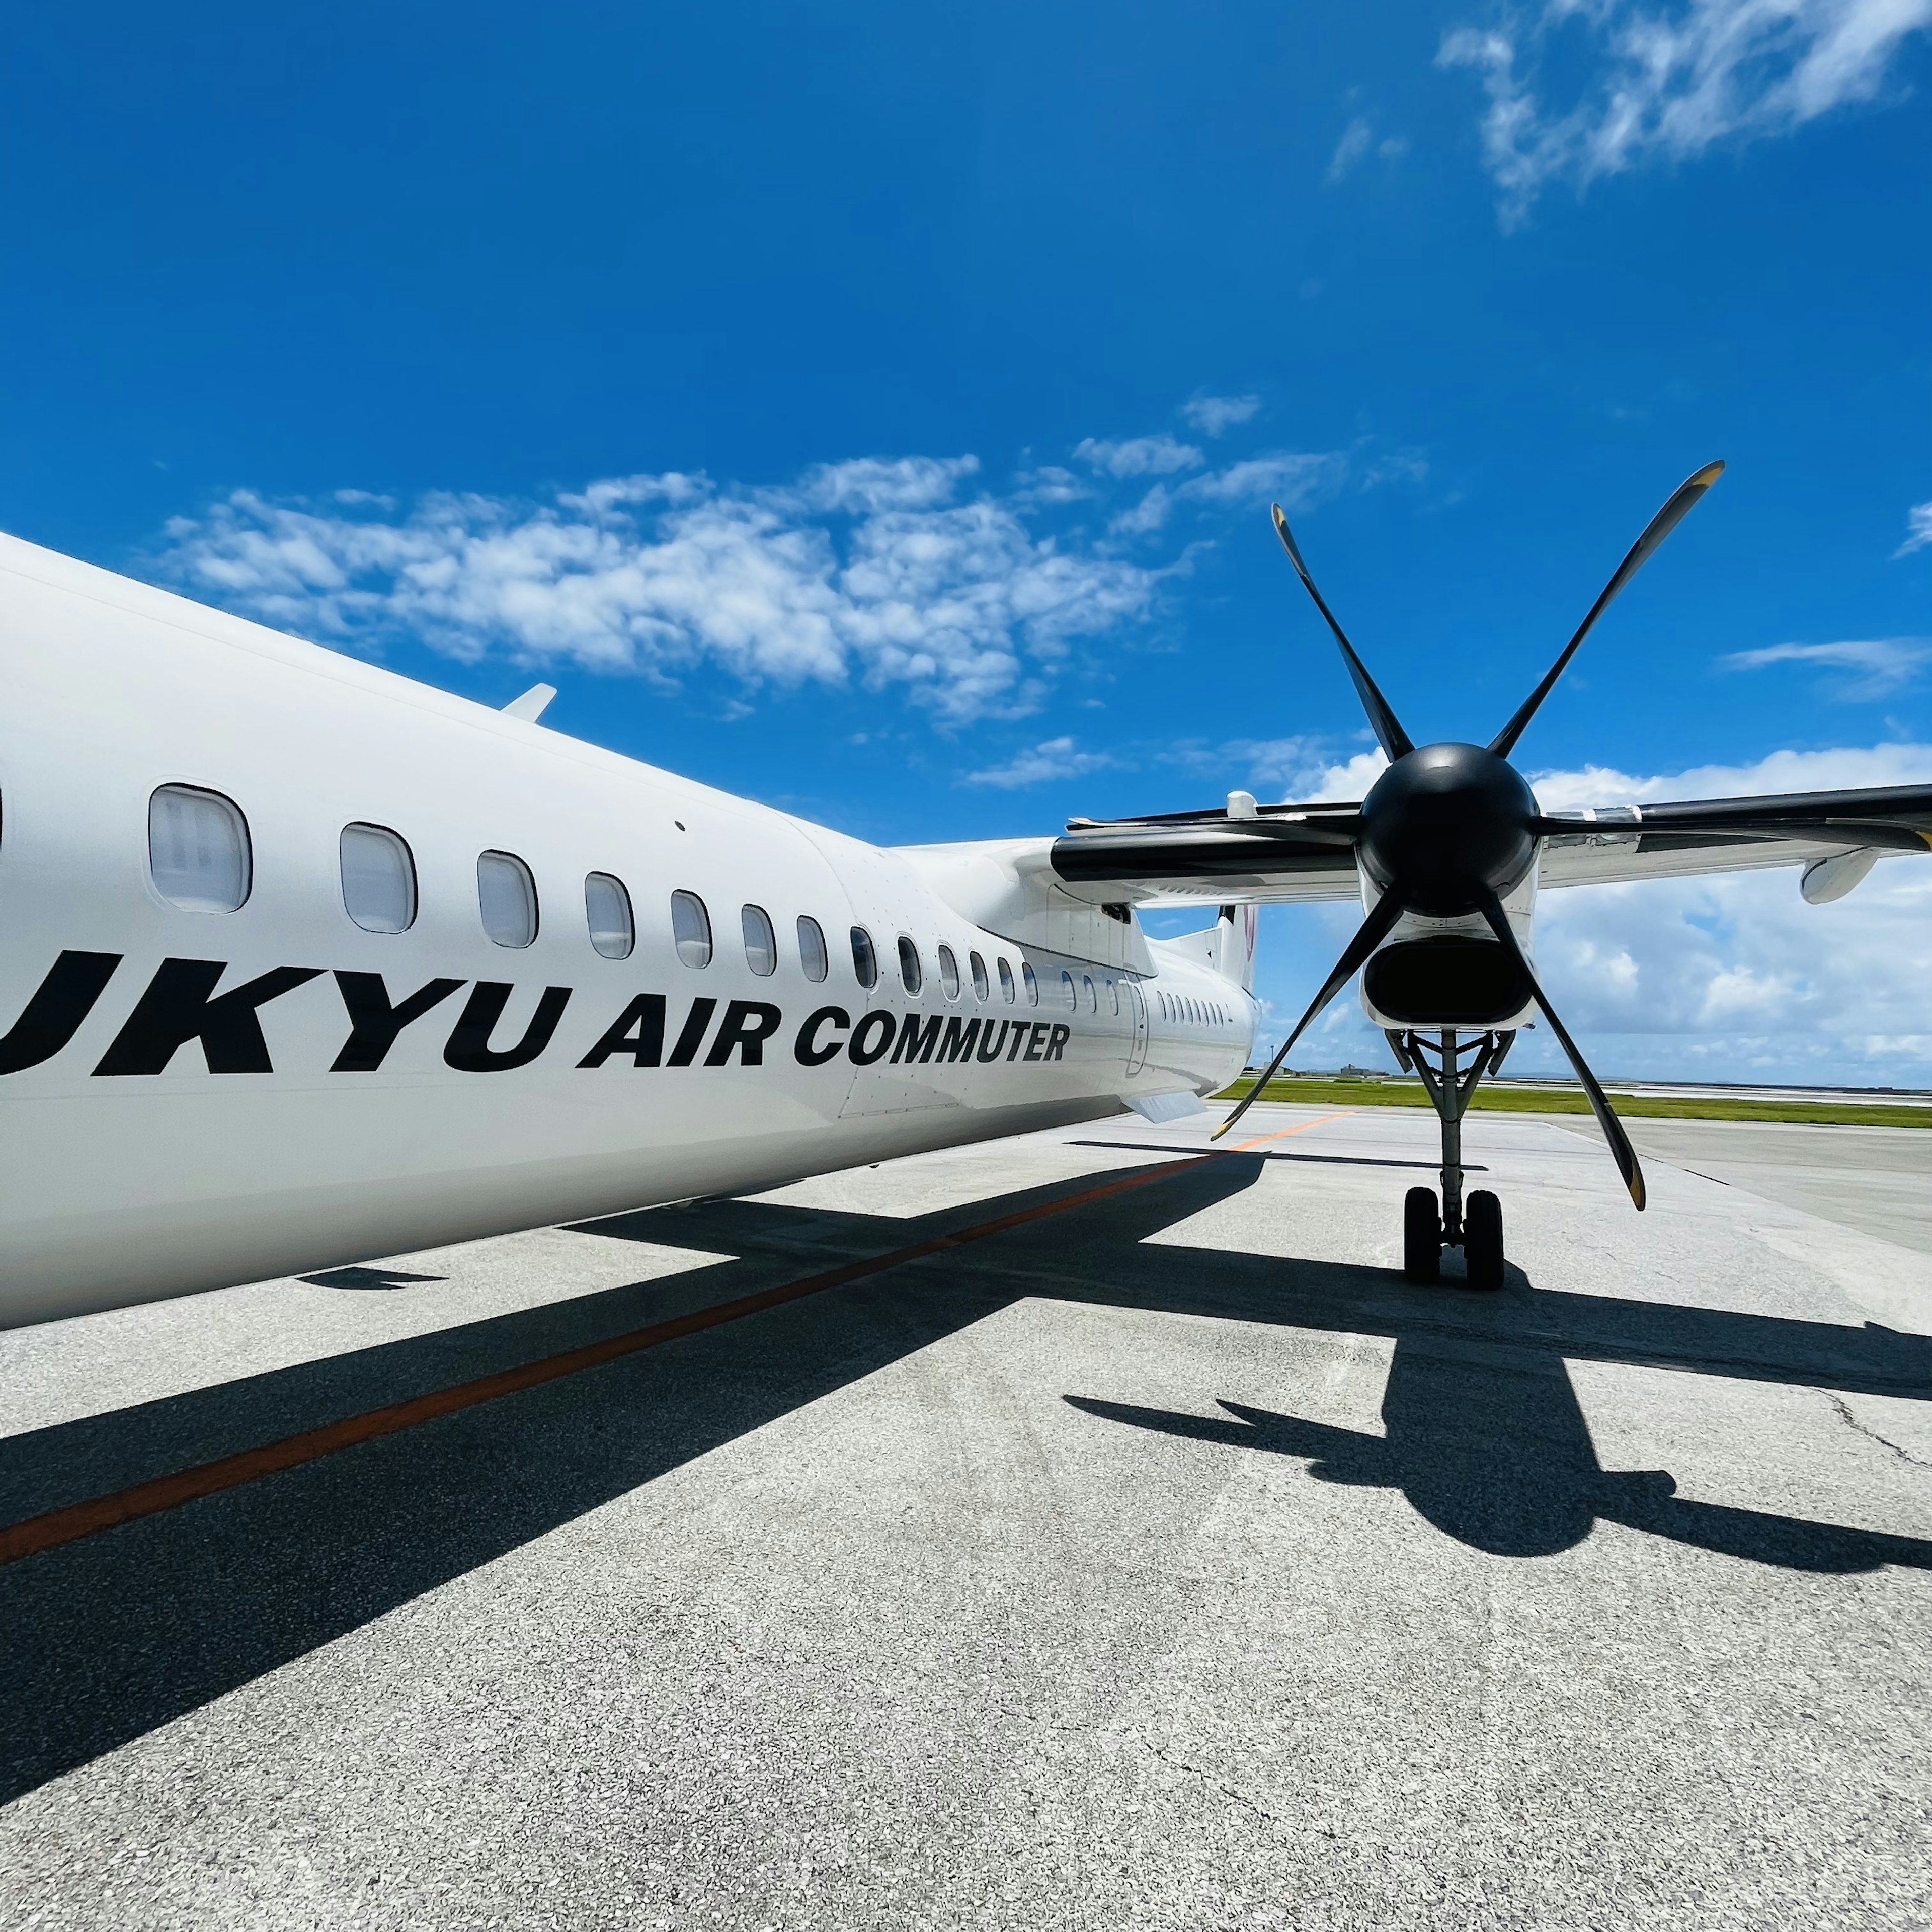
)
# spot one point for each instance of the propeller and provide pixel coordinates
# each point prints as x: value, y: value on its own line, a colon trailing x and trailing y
x: 1621, y: 1150
x: 1449, y: 831
x: 1683, y: 500
x: 1373, y: 930
x: 1394, y: 739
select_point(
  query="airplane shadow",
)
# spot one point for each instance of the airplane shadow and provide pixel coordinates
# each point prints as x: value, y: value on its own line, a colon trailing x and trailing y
x: 111, y: 1637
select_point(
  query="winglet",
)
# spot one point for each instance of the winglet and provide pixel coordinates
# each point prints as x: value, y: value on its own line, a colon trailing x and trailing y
x: 532, y: 705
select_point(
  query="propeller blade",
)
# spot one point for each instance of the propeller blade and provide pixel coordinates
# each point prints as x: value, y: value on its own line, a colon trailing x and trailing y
x: 1848, y: 832
x: 1373, y: 932
x: 1394, y: 739
x: 1659, y: 527
x: 1621, y: 1150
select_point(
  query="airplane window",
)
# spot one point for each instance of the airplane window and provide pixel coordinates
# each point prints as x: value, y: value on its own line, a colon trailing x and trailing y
x: 379, y: 879
x: 1032, y: 984
x: 690, y: 929
x: 948, y: 972
x: 811, y: 949
x: 761, y: 942
x: 1093, y: 998
x: 1113, y: 993
x: 1006, y: 982
x: 1068, y: 997
x: 198, y: 849
x: 507, y: 897
x: 607, y: 911
x: 864, y: 960
x: 981, y: 986
x: 910, y: 971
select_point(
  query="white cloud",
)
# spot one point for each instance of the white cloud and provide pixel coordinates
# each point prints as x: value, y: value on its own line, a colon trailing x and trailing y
x: 1356, y: 138
x: 1782, y: 771
x: 1918, y: 530
x: 1159, y: 455
x: 902, y: 573
x: 1667, y: 84
x: 1734, y: 976
x: 1295, y: 478
x: 1143, y: 518
x: 1057, y: 758
x: 1884, y: 664
x: 1279, y: 770
x: 879, y: 568
x: 1214, y: 415
x: 1729, y: 977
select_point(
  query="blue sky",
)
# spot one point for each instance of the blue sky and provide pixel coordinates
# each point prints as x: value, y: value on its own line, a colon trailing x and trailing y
x: 875, y: 410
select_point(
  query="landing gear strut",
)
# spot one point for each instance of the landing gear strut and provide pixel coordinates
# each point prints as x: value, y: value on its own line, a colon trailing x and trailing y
x: 1475, y: 1227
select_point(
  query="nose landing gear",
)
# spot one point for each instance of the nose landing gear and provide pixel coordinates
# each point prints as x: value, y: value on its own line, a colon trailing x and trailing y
x: 1476, y: 1228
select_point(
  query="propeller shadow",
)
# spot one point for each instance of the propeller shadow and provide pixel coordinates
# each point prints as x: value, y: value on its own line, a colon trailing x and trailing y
x: 1490, y: 1446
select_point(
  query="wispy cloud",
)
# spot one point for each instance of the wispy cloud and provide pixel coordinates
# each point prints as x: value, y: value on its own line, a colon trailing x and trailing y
x: 1666, y: 83
x: 1304, y: 770
x: 1159, y: 455
x: 1739, y: 966
x: 1729, y: 977
x: 1056, y: 758
x: 1918, y: 530
x: 1883, y: 664
x: 1214, y: 416
x: 903, y: 572
x: 1358, y: 141
x: 882, y: 570
x: 1295, y: 478
x: 1355, y: 143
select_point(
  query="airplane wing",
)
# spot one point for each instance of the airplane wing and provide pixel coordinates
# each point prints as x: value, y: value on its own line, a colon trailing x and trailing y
x: 1737, y: 835
x: 1292, y: 852
x: 1286, y: 853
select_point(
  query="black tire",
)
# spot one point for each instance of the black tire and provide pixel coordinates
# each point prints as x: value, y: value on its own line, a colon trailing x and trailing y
x: 1421, y: 1236
x: 1483, y: 1240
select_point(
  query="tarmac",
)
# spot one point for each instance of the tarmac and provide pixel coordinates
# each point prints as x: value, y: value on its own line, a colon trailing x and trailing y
x: 1161, y: 1560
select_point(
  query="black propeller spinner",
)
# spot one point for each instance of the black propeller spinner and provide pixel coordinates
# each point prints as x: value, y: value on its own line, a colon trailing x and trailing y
x: 1450, y: 830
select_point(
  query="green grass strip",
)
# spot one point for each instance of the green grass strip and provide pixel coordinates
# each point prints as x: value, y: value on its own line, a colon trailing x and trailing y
x: 1570, y: 1100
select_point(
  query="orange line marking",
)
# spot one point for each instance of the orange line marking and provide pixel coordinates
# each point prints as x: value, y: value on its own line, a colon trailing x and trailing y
x: 69, y: 1525
x: 1281, y: 1133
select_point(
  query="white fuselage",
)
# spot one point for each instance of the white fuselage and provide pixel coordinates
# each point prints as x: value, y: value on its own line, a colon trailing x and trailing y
x: 124, y: 1186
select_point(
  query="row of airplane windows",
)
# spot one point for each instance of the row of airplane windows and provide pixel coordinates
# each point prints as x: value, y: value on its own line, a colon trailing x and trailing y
x: 1195, y: 1013
x: 201, y: 860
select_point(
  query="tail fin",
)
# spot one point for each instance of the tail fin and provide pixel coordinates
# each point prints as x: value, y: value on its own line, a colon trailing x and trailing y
x: 1234, y: 952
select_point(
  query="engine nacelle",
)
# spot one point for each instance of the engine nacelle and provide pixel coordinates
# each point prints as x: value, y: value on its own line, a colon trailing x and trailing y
x: 1447, y: 980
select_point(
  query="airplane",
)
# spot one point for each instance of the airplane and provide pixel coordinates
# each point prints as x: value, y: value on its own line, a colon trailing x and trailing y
x: 303, y: 961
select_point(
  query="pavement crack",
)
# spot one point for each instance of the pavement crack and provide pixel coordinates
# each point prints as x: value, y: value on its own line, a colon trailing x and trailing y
x: 1852, y: 1422
x: 1226, y: 1790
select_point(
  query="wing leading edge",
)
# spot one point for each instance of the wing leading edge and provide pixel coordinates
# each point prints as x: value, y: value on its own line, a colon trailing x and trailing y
x: 1288, y: 852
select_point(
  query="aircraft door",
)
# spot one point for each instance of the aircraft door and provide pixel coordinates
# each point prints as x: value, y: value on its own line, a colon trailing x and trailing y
x: 1137, y: 1054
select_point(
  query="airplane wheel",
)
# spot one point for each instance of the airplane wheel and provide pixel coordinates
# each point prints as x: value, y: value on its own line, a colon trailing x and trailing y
x: 1483, y: 1240
x: 1421, y: 1236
